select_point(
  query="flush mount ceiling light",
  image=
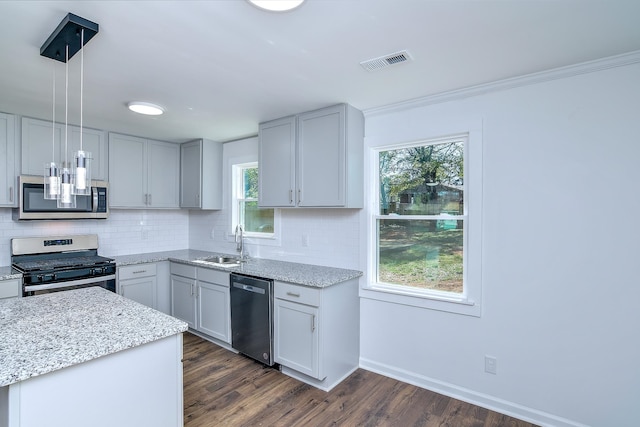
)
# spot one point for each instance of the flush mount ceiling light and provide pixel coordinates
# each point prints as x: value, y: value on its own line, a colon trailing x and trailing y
x: 146, y: 108
x: 277, y: 5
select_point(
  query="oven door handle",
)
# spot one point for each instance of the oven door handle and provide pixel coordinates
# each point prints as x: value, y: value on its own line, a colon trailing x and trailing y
x: 56, y: 285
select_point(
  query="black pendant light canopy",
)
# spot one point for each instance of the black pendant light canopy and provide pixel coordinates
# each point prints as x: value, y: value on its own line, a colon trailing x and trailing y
x: 68, y: 33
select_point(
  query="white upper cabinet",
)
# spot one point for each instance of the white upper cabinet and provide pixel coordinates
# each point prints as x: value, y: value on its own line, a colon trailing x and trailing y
x: 38, y: 147
x: 8, y: 158
x: 277, y: 162
x: 201, y: 174
x: 314, y: 159
x: 143, y: 173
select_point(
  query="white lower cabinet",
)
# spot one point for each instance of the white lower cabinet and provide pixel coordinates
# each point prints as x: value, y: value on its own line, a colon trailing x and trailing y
x: 214, y: 315
x: 200, y: 297
x: 10, y: 288
x: 296, y: 337
x: 316, y: 332
x: 183, y: 293
x: 139, y: 283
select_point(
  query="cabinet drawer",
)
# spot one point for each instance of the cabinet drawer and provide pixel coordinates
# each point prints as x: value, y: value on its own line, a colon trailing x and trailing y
x: 135, y: 271
x: 296, y: 293
x: 183, y: 270
x: 213, y: 276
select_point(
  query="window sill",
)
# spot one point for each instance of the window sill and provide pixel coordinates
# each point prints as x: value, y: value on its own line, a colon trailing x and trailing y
x: 431, y: 301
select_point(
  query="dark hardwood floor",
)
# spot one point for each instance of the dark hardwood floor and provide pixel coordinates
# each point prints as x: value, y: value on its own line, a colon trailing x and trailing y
x: 225, y: 389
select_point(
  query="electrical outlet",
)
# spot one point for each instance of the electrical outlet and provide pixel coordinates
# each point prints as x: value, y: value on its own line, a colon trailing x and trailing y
x: 145, y: 234
x: 490, y: 365
x: 305, y: 240
x: 213, y: 233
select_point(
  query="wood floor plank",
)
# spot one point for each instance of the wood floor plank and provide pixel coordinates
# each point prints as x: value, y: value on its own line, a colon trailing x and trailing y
x: 222, y: 388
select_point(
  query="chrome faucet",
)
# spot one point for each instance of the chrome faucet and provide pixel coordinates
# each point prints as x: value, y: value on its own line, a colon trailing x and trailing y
x: 239, y: 241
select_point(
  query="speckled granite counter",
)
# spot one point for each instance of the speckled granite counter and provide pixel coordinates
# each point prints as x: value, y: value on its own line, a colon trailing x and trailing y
x: 44, y: 333
x: 301, y: 274
x: 7, y: 273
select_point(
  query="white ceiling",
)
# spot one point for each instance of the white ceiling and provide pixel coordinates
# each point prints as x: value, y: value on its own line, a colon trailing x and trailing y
x: 220, y: 67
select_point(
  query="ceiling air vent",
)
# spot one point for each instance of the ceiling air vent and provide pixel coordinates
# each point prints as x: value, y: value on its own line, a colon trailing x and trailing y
x: 385, y: 61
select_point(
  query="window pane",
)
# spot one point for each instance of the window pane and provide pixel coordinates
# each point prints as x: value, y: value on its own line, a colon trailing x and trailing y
x: 257, y: 220
x: 250, y: 183
x: 423, y: 254
x: 425, y: 180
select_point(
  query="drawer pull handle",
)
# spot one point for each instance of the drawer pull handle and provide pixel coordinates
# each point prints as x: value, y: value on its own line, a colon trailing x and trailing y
x: 139, y: 271
x: 293, y: 294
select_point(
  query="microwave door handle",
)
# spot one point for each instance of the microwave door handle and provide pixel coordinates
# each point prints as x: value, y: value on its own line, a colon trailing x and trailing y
x: 94, y: 196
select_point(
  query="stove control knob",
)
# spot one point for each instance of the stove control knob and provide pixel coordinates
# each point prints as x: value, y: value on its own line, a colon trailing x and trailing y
x: 39, y: 277
x: 53, y: 276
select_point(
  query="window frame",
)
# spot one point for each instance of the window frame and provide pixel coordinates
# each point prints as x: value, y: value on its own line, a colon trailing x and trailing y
x: 237, y: 189
x: 469, y: 301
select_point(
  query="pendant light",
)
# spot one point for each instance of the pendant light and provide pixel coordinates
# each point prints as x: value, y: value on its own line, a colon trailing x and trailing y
x: 51, y: 171
x: 67, y: 197
x: 72, y: 34
x: 82, y: 159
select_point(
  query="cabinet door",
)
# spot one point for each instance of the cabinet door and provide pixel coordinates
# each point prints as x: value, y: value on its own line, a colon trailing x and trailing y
x: 213, y: 310
x: 93, y: 141
x: 191, y: 174
x: 163, y: 160
x: 142, y: 290
x: 296, y: 337
x: 38, y: 147
x: 322, y: 157
x: 276, y: 163
x: 183, y: 299
x: 10, y: 288
x: 127, y: 171
x: 8, y: 146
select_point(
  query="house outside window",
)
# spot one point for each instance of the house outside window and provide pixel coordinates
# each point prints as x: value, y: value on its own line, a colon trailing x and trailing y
x: 255, y: 221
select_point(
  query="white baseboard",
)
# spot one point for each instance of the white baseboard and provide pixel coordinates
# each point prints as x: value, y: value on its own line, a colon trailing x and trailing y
x: 480, y: 399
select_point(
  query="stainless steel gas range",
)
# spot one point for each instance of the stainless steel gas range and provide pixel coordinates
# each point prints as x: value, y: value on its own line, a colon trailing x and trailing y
x: 51, y: 264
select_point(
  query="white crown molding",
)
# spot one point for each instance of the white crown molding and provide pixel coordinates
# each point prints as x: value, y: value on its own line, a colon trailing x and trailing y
x: 510, y: 83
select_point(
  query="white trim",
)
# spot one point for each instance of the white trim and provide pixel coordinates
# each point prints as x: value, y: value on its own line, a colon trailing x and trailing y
x: 470, y: 301
x: 492, y: 403
x: 510, y: 83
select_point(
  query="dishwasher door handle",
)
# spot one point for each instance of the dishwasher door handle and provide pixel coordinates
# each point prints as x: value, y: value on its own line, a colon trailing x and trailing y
x: 249, y: 288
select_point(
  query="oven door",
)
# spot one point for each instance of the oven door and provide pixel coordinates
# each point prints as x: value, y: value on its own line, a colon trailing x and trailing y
x: 107, y: 282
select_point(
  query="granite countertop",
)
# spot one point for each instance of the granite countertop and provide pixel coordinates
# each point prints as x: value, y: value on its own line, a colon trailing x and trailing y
x: 300, y: 274
x: 44, y: 333
x: 7, y: 273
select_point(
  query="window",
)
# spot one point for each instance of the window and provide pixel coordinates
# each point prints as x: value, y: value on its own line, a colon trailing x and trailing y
x: 421, y: 232
x: 255, y: 221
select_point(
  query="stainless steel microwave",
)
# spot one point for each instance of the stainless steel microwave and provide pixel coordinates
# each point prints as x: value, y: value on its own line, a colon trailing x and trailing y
x: 33, y: 205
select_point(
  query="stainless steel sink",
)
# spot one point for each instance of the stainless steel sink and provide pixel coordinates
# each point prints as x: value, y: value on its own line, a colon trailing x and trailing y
x: 223, y: 260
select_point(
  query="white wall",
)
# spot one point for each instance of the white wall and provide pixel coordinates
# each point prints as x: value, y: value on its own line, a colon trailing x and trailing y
x: 560, y: 242
x: 333, y: 234
x: 124, y: 232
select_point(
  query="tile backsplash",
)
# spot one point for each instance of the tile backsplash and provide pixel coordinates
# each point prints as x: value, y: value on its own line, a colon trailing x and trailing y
x: 124, y: 232
x: 327, y: 237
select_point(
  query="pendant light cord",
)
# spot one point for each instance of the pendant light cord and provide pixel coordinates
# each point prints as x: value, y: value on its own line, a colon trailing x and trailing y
x: 66, y: 104
x: 81, y: 80
x: 53, y: 114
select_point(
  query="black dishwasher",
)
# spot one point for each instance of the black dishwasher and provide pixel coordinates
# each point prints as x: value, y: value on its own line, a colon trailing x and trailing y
x: 252, y: 317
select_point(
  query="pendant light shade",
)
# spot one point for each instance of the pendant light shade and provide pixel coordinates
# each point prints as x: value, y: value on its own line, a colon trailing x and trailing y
x: 82, y: 172
x: 51, y: 181
x: 67, y: 199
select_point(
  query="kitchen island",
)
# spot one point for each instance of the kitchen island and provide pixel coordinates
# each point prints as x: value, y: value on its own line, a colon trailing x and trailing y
x: 88, y: 357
